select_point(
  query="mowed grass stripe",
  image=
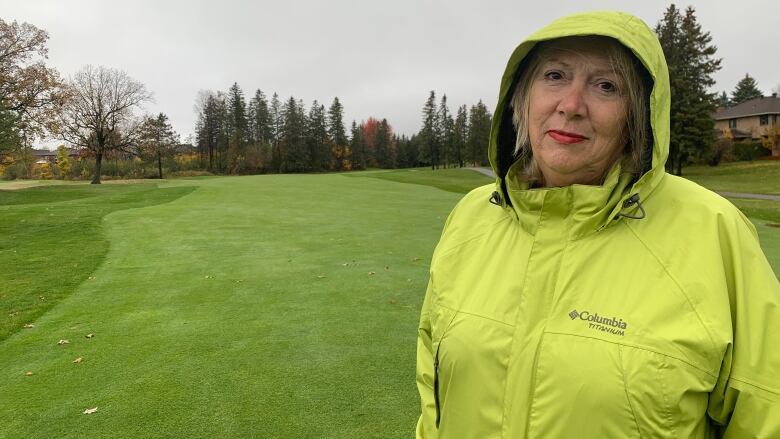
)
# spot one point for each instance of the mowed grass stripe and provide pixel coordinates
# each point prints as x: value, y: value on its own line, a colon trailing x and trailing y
x: 271, y: 306
x: 51, y: 240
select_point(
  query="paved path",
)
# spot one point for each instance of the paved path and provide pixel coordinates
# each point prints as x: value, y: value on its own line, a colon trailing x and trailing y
x: 489, y: 173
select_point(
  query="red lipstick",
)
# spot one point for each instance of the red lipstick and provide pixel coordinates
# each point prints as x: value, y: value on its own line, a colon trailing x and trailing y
x: 566, y: 137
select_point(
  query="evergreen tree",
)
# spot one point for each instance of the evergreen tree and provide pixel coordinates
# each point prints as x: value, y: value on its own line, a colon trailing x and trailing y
x: 746, y: 89
x: 209, y: 132
x: 337, y: 135
x: 157, y: 140
x: 429, y: 142
x: 444, y: 131
x: 358, y: 147
x: 317, y: 138
x: 723, y: 100
x: 407, y: 151
x: 690, y: 58
x: 261, y: 129
x: 459, y: 135
x: 277, y: 126
x: 238, y: 129
x: 261, y: 123
x: 478, y: 134
x: 385, y: 155
x: 295, y: 155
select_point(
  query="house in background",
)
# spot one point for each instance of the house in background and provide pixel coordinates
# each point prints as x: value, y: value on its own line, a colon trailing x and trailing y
x: 50, y: 157
x: 754, y: 120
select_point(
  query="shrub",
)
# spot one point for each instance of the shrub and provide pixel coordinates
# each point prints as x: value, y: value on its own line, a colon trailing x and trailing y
x: 16, y: 170
x: 749, y: 151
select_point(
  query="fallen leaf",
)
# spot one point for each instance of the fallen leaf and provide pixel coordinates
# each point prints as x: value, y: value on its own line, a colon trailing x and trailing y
x: 62, y: 342
x: 29, y: 374
x: 92, y: 278
x: 344, y: 264
x: 392, y: 302
x: 29, y: 325
x: 415, y: 259
x: 90, y: 411
x: 371, y: 273
x: 320, y: 277
x: 78, y: 360
x: 90, y: 335
x: 42, y: 297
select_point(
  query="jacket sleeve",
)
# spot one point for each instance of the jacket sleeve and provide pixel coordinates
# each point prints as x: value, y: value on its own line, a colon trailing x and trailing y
x: 425, y: 424
x: 745, y: 402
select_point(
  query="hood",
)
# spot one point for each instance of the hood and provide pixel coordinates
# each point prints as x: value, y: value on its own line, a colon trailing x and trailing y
x: 615, y: 195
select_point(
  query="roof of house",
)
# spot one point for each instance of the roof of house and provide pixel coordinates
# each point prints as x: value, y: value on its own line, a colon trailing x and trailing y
x: 753, y: 107
x: 46, y: 152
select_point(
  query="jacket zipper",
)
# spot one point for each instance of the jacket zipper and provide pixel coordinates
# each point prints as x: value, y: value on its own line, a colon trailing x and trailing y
x: 436, y: 385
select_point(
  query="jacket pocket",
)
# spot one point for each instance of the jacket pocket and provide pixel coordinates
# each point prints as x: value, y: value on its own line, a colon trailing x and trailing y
x: 588, y: 387
x: 441, y: 320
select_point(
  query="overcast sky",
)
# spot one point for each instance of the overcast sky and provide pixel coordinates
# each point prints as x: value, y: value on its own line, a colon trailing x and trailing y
x: 380, y: 58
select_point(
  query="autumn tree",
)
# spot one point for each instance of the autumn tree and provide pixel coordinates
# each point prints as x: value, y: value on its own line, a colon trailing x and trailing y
x: 30, y: 92
x: 746, y: 89
x: 157, y: 140
x: 9, y: 131
x: 691, y: 60
x: 98, y: 114
x: 63, y: 161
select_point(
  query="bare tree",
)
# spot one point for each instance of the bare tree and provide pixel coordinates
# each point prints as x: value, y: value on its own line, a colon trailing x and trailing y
x: 98, y: 113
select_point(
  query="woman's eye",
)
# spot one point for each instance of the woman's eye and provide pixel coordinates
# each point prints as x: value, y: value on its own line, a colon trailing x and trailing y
x: 607, y: 86
x: 553, y: 75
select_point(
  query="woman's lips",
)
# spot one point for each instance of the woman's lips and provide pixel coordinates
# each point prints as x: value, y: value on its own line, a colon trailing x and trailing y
x: 564, y: 137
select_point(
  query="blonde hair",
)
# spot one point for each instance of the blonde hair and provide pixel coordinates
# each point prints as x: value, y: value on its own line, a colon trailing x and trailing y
x: 635, y: 89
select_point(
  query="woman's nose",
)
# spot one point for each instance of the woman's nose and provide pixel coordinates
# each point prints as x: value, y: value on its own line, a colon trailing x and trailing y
x: 572, y: 101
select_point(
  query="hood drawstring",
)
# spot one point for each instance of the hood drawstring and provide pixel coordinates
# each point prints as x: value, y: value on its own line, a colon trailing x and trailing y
x: 633, y: 199
x: 495, y: 198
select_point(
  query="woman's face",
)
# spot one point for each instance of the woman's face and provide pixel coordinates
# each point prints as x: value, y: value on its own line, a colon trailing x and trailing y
x: 577, y: 113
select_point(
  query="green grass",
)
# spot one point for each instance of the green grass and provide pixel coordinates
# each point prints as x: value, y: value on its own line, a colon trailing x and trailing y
x: 271, y: 306
x: 51, y: 240
x: 267, y: 306
x: 450, y: 180
x: 761, y: 177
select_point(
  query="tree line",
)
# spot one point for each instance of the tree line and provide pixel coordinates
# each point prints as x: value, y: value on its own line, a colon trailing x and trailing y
x: 235, y: 135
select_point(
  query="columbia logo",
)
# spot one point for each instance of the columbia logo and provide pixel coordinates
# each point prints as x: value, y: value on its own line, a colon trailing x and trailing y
x: 574, y: 314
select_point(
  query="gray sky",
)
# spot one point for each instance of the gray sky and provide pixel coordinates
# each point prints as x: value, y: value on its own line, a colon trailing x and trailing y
x: 379, y: 58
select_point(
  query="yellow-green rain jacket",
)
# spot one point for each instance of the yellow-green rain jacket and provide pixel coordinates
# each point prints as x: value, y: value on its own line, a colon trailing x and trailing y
x: 550, y: 314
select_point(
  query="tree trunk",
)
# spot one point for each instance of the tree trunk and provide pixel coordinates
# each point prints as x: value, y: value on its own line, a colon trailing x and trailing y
x: 98, y: 161
x: 159, y: 164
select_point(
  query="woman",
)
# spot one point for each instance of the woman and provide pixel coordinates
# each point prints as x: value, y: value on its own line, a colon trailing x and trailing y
x: 598, y: 296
